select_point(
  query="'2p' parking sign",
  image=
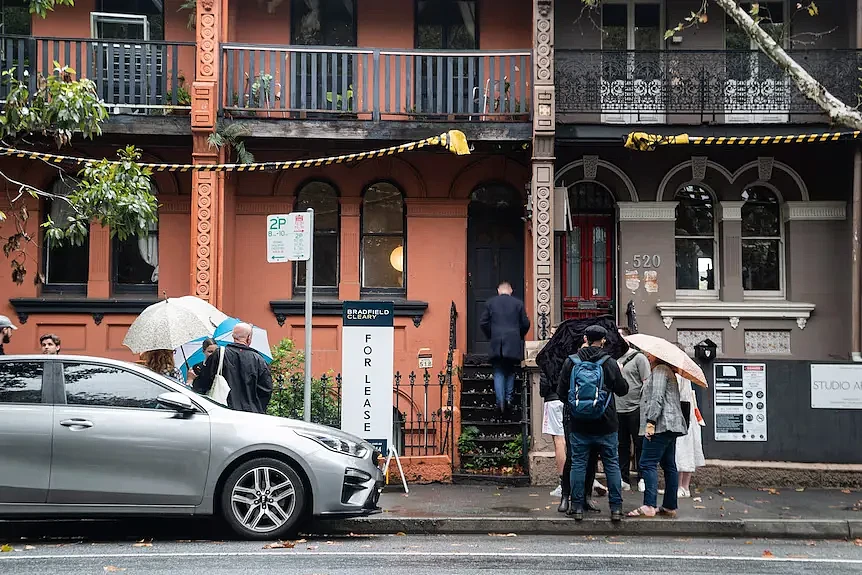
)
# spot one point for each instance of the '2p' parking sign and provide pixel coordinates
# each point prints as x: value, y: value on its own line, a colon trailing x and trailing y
x: 288, y: 237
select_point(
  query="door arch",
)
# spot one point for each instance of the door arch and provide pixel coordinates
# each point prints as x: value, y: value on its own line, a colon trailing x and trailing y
x: 495, y: 252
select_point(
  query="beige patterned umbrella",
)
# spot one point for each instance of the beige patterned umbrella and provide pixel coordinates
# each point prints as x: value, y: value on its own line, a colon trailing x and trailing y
x: 670, y: 354
x: 166, y: 325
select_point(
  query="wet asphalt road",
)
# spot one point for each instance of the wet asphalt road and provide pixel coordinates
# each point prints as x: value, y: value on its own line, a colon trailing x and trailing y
x: 112, y: 548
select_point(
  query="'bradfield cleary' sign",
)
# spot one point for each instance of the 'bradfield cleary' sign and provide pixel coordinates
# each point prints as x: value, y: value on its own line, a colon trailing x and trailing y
x: 367, y: 359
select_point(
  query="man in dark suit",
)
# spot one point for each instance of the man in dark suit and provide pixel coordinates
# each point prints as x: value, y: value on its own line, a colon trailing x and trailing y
x: 505, y: 324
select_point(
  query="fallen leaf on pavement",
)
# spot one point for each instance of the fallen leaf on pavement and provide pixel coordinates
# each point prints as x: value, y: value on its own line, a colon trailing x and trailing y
x: 366, y: 545
x: 536, y: 509
x: 749, y: 542
x: 846, y: 491
x: 700, y: 506
x: 858, y: 542
x: 400, y: 534
x: 726, y: 499
x: 142, y: 545
x: 534, y: 494
x: 745, y: 511
x: 6, y: 548
x: 800, y: 490
x: 302, y: 540
x: 767, y: 554
x: 811, y: 543
x: 720, y: 492
x: 547, y: 506
x: 502, y: 535
x: 697, y: 499
x: 311, y: 547
x: 113, y: 569
x: 28, y: 548
x: 280, y: 545
x: 496, y: 495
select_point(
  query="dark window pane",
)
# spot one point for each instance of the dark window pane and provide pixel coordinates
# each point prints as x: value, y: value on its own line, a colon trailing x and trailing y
x: 323, y: 22
x: 695, y: 215
x: 138, y: 260
x: 102, y: 386
x: 695, y: 267
x: 614, y: 26
x: 21, y: 382
x: 323, y: 199
x: 573, y: 263
x: 381, y: 258
x: 325, y: 262
x: 16, y: 18
x: 761, y: 214
x: 446, y: 24
x: 65, y: 263
x: 589, y: 196
x: 760, y: 265
x: 154, y: 11
x: 648, y: 30
x: 382, y: 210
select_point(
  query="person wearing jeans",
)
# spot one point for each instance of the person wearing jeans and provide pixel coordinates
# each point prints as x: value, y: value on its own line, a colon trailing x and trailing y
x: 504, y: 322
x: 662, y: 422
x: 635, y: 369
x: 600, y: 433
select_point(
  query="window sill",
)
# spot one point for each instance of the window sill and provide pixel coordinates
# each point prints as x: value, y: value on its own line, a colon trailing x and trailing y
x: 696, y: 295
x: 734, y: 311
x: 282, y: 309
x: 98, y: 308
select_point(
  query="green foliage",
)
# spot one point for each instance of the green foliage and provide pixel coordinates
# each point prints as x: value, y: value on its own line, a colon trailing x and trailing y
x: 114, y: 194
x: 288, y: 377
x: 340, y: 103
x: 467, y: 440
x: 42, y: 7
x: 184, y: 98
x: 192, y: 7
x: 231, y: 135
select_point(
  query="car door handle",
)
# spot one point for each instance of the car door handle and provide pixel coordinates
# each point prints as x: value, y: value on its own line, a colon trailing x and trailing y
x: 81, y: 423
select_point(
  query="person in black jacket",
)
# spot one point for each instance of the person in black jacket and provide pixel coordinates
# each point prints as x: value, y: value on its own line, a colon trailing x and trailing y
x: 600, y: 433
x: 245, y: 370
x: 505, y: 323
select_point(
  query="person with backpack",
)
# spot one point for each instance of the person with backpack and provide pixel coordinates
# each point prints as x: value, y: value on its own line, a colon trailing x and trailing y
x: 589, y: 380
x: 636, y: 371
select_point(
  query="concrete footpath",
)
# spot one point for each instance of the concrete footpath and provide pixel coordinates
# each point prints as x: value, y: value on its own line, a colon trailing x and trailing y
x: 728, y: 512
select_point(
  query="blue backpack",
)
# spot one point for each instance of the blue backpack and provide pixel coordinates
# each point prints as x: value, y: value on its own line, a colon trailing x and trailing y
x: 588, y: 397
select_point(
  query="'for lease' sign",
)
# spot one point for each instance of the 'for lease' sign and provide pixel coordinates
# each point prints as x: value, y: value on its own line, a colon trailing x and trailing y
x: 367, y: 370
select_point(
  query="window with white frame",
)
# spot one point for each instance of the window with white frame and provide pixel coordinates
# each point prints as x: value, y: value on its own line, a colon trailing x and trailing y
x: 762, y: 243
x: 696, y: 241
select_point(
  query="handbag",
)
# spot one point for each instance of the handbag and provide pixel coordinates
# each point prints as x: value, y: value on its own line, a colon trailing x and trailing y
x: 220, y: 388
x: 686, y: 412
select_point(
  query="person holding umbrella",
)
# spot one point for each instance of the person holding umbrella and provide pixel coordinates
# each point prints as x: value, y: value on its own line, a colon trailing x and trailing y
x: 662, y: 420
x: 161, y: 361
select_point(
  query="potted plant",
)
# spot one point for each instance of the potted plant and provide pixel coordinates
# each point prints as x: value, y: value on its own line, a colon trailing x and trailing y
x: 183, y: 98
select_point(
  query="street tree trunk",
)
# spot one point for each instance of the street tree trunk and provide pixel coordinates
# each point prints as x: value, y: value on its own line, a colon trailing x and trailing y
x: 838, y: 111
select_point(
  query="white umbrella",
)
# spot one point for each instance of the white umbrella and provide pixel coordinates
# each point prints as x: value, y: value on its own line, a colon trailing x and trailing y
x: 670, y: 354
x: 203, y: 309
x: 165, y: 325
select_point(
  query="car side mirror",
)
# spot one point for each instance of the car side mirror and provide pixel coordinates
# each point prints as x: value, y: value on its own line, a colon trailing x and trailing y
x: 177, y: 401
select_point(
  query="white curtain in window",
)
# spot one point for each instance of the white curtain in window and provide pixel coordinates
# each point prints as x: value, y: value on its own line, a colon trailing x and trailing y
x: 469, y: 17
x: 149, y: 249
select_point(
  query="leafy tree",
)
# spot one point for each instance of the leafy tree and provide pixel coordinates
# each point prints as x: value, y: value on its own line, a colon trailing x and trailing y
x: 750, y: 21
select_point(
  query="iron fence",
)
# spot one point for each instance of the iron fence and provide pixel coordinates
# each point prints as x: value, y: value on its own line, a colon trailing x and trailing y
x: 131, y: 76
x: 742, y: 85
x: 422, y: 411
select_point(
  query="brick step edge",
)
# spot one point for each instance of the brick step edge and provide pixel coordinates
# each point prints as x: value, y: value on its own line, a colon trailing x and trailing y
x: 823, y: 529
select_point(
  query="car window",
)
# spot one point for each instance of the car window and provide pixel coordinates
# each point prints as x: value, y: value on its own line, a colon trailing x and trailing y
x: 21, y: 381
x: 106, y: 386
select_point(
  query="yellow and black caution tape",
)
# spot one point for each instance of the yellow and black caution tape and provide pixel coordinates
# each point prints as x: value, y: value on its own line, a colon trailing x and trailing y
x: 454, y: 141
x: 643, y: 142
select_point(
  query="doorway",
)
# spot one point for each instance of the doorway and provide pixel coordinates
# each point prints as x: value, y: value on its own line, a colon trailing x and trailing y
x: 495, y: 253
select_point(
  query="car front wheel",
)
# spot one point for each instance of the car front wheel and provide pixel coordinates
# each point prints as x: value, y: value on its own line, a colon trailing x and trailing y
x: 263, y: 499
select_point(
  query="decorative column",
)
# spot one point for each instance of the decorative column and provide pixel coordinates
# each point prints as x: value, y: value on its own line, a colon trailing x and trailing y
x: 542, y: 183
x: 207, y: 187
x: 730, y: 214
x: 348, y: 286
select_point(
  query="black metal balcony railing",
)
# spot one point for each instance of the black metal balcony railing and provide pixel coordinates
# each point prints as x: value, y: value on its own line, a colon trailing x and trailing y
x: 740, y: 85
x: 307, y: 82
x: 131, y: 76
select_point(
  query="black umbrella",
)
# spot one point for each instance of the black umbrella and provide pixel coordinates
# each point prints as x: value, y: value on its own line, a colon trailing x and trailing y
x: 632, y: 317
x: 568, y: 340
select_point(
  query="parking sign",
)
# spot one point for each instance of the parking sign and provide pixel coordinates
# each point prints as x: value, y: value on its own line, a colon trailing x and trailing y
x: 288, y: 237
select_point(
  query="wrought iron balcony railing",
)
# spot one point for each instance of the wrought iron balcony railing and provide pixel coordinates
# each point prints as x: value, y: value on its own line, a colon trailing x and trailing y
x: 320, y: 82
x: 131, y: 76
x: 741, y: 86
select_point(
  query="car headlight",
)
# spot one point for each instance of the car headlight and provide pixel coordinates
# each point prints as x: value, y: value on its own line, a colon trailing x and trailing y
x: 336, y: 444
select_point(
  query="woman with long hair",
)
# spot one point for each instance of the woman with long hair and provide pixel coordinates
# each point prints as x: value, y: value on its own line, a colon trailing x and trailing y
x: 161, y: 361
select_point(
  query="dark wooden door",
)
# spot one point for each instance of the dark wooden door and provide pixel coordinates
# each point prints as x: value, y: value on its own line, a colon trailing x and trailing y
x: 495, y: 253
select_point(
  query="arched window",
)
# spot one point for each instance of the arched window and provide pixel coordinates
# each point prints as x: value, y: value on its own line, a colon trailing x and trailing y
x: 66, y: 266
x: 383, y: 250
x: 323, y: 199
x: 762, y: 251
x: 696, y: 240
x: 135, y: 261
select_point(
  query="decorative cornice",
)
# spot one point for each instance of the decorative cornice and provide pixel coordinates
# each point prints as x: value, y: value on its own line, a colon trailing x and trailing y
x: 442, y: 208
x: 262, y: 207
x: 815, y: 211
x: 282, y: 309
x: 647, y: 211
x: 98, y: 308
x: 734, y: 311
x: 176, y: 205
x: 730, y: 211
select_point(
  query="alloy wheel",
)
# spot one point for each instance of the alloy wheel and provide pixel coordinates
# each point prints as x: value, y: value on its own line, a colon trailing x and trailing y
x: 263, y: 499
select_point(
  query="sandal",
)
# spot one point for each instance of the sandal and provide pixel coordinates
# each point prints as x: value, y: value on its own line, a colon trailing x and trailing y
x: 667, y: 513
x: 642, y: 511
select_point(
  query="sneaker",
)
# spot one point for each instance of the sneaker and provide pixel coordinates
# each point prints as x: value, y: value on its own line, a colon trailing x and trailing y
x: 626, y: 486
x: 600, y: 489
x: 641, y: 486
x: 683, y: 493
x: 558, y: 492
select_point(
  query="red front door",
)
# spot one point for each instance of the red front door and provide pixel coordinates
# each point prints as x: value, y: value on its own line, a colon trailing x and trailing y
x: 588, y: 266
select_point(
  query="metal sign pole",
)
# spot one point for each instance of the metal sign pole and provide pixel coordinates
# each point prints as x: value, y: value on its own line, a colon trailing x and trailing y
x: 309, y: 296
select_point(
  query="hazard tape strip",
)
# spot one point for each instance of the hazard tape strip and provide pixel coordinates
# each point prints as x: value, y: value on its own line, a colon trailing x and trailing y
x: 643, y: 142
x: 454, y: 141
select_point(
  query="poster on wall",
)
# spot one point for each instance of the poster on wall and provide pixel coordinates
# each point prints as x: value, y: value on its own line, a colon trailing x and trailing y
x: 367, y: 359
x: 836, y: 386
x: 740, y: 401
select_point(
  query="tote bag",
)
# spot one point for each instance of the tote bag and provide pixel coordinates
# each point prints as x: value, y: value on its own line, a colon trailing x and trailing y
x: 220, y: 388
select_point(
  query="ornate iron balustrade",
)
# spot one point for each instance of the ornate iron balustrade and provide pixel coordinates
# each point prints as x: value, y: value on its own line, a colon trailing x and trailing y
x: 321, y: 82
x: 131, y: 76
x: 741, y: 85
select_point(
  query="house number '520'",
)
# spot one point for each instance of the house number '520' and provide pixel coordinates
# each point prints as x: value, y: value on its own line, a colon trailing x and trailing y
x: 646, y: 261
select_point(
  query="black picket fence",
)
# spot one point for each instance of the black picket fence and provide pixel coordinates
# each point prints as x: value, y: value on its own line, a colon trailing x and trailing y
x: 422, y: 412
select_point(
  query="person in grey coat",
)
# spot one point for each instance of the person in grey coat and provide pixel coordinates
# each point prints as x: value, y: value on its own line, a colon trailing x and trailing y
x: 662, y: 422
x: 504, y: 322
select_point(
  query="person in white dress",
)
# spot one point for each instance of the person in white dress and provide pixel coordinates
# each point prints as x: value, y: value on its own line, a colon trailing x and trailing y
x: 689, y: 447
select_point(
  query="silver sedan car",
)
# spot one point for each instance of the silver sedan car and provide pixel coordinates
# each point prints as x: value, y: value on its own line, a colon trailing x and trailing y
x: 85, y: 436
